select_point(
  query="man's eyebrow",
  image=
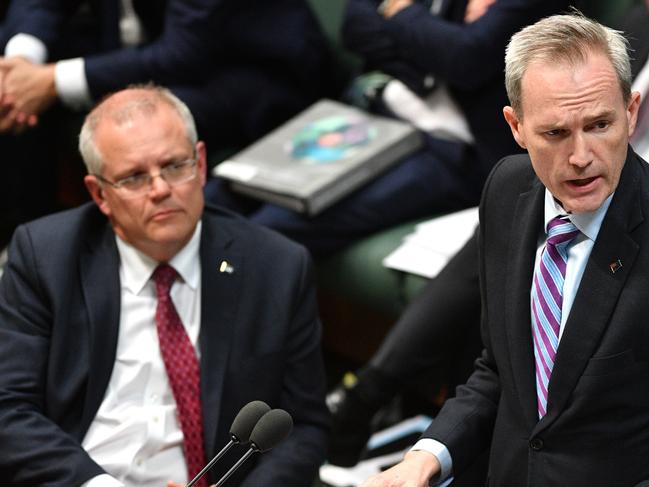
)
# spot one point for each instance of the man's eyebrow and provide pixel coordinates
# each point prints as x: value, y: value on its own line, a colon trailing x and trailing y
x: 603, y: 115
x: 129, y: 171
x: 551, y: 126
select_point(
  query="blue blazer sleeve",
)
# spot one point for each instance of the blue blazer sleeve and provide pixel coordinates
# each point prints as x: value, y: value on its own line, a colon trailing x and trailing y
x: 42, y: 19
x: 188, y: 40
x: 464, y: 55
x: 182, y: 52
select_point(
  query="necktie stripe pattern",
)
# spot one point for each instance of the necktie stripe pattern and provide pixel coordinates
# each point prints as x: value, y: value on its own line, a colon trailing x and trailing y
x: 546, y: 302
x: 183, y: 371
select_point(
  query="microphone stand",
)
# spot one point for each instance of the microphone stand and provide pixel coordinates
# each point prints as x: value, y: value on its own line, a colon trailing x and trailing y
x: 206, y: 468
x: 227, y: 475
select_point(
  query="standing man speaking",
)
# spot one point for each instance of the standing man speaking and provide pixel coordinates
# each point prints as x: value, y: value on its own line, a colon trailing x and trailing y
x: 560, y: 394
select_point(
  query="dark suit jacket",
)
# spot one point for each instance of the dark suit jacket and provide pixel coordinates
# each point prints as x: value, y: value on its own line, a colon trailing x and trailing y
x: 251, y: 62
x: 59, y: 315
x: 469, y: 58
x: 186, y: 39
x: 596, y: 431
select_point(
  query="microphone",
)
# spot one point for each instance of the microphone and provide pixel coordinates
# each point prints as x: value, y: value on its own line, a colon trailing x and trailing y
x: 240, y: 432
x: 271, y: 429
x: 246, y: 420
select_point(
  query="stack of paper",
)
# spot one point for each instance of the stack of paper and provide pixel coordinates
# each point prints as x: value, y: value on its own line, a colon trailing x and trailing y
x: 427, y: 250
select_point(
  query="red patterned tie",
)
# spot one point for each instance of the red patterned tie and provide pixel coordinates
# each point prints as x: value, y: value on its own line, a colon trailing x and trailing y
x: 182, y: 370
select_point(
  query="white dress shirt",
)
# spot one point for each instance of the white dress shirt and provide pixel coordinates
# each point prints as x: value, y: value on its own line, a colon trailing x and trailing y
x: 135, y: 436
x: 69, y: 74
x: 437, y: 114
x: 589, y: 224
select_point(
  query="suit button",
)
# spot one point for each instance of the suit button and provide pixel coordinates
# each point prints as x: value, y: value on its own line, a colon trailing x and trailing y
x: 536, y: 444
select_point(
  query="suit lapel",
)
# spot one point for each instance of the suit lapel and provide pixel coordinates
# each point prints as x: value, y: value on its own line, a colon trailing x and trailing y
x: 220, y: 292
x: 598, y: 291
x: 522, y: 248
x: 101, y: 291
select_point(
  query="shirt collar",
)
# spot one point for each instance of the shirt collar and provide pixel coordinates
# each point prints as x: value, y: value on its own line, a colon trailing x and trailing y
x: 588, y: 222
x: 138, y: 267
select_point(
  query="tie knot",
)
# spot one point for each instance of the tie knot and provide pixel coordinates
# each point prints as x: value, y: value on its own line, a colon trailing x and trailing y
x: 164, y: 276
x: 561, y: 230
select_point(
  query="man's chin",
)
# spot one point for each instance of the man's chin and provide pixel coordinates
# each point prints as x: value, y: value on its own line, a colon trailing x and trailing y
x: 168, y: 232
x: 585, y: 204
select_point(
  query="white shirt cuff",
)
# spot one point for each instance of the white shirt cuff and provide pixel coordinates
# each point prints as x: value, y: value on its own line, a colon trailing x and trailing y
x: 27, y: 46
x: 103, y: 480
x: 71, y: 83
x: 441, y: 452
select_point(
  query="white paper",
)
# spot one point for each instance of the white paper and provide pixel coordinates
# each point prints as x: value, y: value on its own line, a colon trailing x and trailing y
x: 428, y: 249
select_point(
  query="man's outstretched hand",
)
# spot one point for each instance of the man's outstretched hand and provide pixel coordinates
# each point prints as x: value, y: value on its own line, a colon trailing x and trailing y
x: 415, y: 470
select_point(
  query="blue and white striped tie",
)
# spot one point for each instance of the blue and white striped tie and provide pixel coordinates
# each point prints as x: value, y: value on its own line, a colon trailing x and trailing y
x: 547, y: 300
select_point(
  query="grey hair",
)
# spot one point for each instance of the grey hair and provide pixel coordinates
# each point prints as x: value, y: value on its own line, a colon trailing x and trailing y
x: 147, y: 101
x: 566, y: 38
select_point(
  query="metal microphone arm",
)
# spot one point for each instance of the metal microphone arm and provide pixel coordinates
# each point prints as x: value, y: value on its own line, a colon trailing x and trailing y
x: 245, y: 457
x: 218, y: 456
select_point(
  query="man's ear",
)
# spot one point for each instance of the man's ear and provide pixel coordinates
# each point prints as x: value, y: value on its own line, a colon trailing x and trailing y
x: 201, y: 161
x: 514, y: 124
x: 632, y: 111
x: 94, y: 187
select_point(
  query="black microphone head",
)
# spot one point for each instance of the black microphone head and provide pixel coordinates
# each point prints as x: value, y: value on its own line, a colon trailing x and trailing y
x: 272, y: 428
x: 246, y: 420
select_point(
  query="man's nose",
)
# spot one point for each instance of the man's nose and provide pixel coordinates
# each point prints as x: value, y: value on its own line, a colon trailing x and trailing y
x: 581, y: 155
x: 159, y: 186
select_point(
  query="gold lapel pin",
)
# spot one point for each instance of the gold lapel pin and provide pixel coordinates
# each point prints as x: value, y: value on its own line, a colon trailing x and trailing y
x: 226, y: 267
x: 615, y: 266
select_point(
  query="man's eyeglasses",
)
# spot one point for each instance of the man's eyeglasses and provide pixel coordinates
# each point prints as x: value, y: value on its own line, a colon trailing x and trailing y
x: 140, y: 184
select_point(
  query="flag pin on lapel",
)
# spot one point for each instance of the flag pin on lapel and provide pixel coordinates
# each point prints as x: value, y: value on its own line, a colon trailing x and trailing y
x: 615, y: 266
x: 226, y: 267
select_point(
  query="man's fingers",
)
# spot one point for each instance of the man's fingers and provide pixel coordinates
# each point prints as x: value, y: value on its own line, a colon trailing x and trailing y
x: 6, y: 125
x: 23, y: 123
x: 9, y: 121
x: 9, y: 62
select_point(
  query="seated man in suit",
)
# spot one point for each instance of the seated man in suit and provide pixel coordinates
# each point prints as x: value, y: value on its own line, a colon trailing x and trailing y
x: 441, y: 60
x: 560, y: 393
x: 242, y: 67
x: 133, y: 329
